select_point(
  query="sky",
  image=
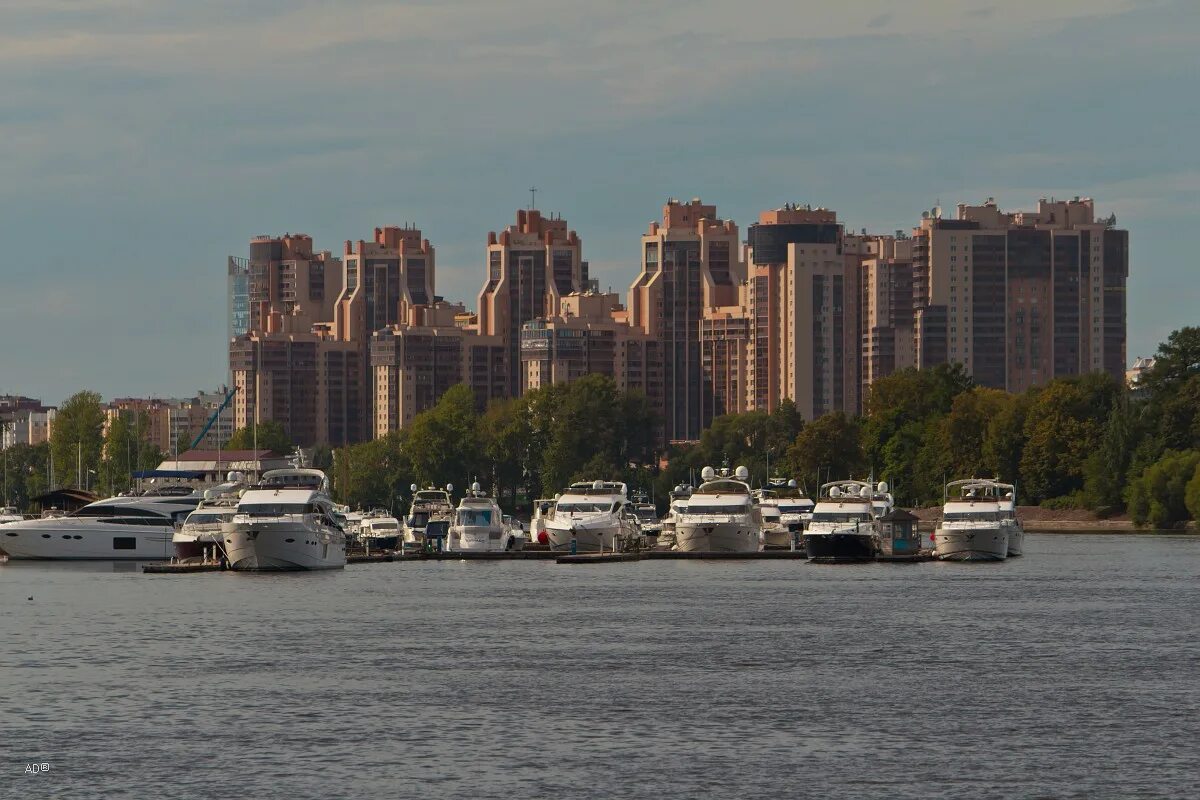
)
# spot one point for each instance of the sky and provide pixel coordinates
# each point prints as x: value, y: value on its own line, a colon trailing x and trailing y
x: 144, y: 141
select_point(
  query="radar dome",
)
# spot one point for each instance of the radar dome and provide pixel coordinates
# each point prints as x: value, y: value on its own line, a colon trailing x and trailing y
x: 449, y: 487
x: 866, y: 491
x: 792, y: 484
x: 742, y: 474
x: 412, y: 488
x: 883, y: 487
x: 835, y: 492
x: 475, y: 487
x: 235, y: 477
x: 708, y: 473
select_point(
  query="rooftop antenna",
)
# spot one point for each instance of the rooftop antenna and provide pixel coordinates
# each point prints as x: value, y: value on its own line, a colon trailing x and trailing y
x: 532, y: 197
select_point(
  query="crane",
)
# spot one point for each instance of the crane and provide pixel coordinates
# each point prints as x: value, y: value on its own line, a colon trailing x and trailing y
x: 213, y: 418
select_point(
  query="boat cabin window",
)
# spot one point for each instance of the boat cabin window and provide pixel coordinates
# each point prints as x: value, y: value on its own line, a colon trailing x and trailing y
x: 293, y: 481
x: 474, y: 517
x: 646, y: 513
x: 971, y: 516
x: 792, y: 508
x: 277, y: 509
x: 384, y: 526
x: 124, y: 543
x: 585, y: 507
x: 436, y: 497
x: 208, y: 519
x: 96, y: 510
x: 697, y: 508
x: 418, y: 520
x: 841, y: 516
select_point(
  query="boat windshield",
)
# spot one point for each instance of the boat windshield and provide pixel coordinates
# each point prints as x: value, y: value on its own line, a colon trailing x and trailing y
x: 277, y: 509
x: 384, y: 526
x: 418, y: 520
x: 832, y: 516
x: 697, y: 508
x: 208, y: 519
x: 474, y: 517
x: 971, y: 516
x: 585, y: 507
x: 793, y: 508
x: 646, y: 513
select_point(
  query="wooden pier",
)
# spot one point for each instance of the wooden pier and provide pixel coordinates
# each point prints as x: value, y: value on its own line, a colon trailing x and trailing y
x: 597, y: 558
x: 180, y: 567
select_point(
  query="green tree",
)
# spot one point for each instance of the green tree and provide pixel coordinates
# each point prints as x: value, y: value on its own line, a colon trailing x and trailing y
x: 1191, y: 495
x: 829, y: 448
x: 444, y: 443
x: 374, y: 473
x: 25, y: 474
x: 1158, y: 497
x: 1105, y: 469
x: 77, y: 439
x: 1062, y: 429
x: 271, y: 436
x: 1177, y: 360
x: 127, y: 448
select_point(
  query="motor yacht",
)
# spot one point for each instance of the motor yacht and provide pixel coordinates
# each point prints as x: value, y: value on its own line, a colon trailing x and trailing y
x: 721, y: 515
x: 596, y: 515
x: 842, y: 527
x: 542, y: 509
x: 679, y: 500
x: 286, y: 522
x: 478, y: 526
x: 647, y: 516
x: 379, y: 530
x: 10, y: 514
x: 427, y: 504
x: 971, y: 528
x: 136, y: 527
x: 202, y: 533
x: 774, y: 532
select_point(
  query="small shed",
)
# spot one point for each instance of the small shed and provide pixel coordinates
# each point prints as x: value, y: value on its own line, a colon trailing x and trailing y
x: 898, y: 533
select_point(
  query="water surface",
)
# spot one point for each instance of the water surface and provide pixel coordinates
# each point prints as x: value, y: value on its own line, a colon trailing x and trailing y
x: 1069, y: 672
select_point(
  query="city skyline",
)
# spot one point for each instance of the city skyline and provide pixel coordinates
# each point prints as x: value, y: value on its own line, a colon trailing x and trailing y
x: 957, y: 104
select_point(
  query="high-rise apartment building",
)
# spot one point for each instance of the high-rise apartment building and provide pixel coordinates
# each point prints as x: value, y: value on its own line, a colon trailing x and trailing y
x: 171, y: 424
x: 726, y: 336
x: 591, y: 334
x: 416, y: 362
x: 803, y: 308
x: 237, y: 287
x: 382, y: 279
x: 290, y: 287
x: 690, y: 262
x: 530, y: 266
x: 886, y: 307
x: 1021, y: 298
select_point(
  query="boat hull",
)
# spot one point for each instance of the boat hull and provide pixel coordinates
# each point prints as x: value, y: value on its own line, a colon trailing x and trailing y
x: 274, y: 547
x: 840, y: 546
x: 67, y: 539
x: 483, y: 541
x: 1016, y: 540
x: 717, y: 537
x: 381, y: 542
x: 777, y: 537
x: 588, y: 538
x: 975, y: 544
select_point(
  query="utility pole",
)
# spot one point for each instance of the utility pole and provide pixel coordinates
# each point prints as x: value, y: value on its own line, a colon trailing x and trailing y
x: 79, y: 464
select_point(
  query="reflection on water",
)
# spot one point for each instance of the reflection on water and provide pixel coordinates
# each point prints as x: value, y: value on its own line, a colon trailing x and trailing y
x: 1067, y: 672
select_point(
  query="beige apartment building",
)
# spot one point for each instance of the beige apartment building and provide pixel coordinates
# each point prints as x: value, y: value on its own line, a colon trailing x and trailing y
x: 803, y: 304
x: 690, y: 262
x: 24, y: 420
x: 591, y: 334
x: 290, y: 287
x: 886, y: 307
x: 1021, y: 298
x: 726, y: 336
x: 416, y: 362
x: 530, y: 267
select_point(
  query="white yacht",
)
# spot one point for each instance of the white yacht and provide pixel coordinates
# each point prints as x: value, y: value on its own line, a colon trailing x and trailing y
x: 679, y: 501
x: 542, y: 509
x: 1007, y: 501
x: 379, y: 530
x: 427, y: 504
x: 971, y: 528
x: 202, y: 533
x: 842, y: 527
x: 721, y: 516
x: 795, y: 512
x: 478, y: 526
x: 647, y: 516
x: 10, y: 514
x: 127, y: 527
x: 775, y: 534
x: 596, y: 514
x: 287, y: 522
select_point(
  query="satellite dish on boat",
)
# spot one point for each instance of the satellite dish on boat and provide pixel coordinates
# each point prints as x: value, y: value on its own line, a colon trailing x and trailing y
x: 835, y: 492
x: 475, y: 487
x: 449, y: 487
x: 742, y: 474
x: 883, y: 487
x: 708, y: 473
x: 412, y: 488
x: 792, y: 484
x: 235, y: 477
x: 597, y: 485
x: 866, y: 491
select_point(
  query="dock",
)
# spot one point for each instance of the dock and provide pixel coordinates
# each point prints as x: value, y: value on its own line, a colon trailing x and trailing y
x: 180, y: 568
x: 597, y: 558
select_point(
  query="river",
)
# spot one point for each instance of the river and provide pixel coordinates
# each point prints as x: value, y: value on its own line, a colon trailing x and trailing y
x: 1068, y: 672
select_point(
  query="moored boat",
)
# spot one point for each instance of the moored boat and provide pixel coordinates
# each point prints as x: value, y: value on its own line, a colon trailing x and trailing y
x: 595, y: 515
x: 286, y: 522
x: 970, y: 528
x: 478, y: 526
x: 721, y: 516
x: 428, y: 505
x: 843, y: 521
